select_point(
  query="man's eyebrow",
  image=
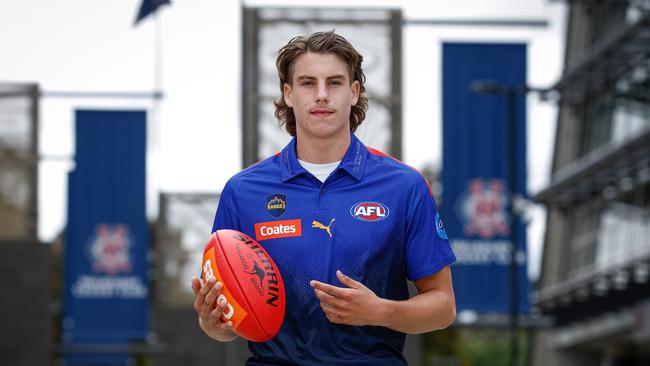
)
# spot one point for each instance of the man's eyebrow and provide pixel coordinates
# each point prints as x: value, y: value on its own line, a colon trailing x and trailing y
x: 308, y: 77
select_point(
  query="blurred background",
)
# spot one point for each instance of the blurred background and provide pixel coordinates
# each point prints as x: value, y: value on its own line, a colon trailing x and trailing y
x: 120, y: 122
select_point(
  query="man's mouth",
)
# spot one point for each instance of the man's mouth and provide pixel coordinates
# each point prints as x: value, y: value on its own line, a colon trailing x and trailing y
x: 322, y: 112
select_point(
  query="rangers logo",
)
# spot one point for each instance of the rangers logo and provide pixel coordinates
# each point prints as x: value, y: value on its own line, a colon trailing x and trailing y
x: 276, y: 204
x: 369, y: 211
x: 109, y: 249
x: 482, y: 208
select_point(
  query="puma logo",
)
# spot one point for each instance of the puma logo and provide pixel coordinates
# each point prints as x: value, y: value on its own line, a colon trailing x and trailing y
x: 318, y: 225
x: 259, y: 272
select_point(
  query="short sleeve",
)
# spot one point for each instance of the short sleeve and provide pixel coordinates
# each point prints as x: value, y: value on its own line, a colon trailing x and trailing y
x: 227, y: 215
x: 427, y: 248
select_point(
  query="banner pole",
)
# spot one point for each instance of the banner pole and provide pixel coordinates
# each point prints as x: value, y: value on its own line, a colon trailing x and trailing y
x: 511, y: 94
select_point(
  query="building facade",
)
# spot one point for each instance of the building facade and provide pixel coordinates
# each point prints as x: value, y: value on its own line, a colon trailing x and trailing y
x: 596, y: 262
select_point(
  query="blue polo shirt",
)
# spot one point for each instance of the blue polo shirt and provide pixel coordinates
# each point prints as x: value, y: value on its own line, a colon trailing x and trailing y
x: 373, y: 218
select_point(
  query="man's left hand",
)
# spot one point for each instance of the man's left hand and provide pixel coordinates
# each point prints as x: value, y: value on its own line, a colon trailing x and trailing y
x: 352, y: 305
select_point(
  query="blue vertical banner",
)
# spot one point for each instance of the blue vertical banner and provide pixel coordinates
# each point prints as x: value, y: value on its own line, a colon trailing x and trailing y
x: 106, y: 294
x: 476, y: 195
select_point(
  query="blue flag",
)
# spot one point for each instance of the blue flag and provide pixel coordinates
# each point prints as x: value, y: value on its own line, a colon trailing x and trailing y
x: 106, y: 285
x: 476, y: 192
x: 148, y: 7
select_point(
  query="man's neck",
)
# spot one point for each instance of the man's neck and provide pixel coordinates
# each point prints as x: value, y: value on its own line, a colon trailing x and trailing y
x: 322, y: 151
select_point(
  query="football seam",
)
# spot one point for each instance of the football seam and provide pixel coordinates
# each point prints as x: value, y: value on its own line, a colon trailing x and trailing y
x: 250, y: 307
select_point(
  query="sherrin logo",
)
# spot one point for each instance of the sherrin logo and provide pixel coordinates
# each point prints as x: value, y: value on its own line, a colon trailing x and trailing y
x: 369, y: 211
x: 277, y: 229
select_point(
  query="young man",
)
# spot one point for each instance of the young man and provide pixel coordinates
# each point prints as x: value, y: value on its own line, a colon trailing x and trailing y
x: 362, y: 224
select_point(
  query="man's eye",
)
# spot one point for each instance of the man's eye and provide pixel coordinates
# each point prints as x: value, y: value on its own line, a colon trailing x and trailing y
x: 307, y: 83
x: 335, y: 82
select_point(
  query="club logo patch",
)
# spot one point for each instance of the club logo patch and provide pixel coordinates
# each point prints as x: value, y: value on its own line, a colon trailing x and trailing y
x: 369, y: 211
x: 440, y: 227
x: 276, y: 204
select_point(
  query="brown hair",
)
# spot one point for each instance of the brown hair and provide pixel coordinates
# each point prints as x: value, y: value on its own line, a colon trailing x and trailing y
x: 325, y: 43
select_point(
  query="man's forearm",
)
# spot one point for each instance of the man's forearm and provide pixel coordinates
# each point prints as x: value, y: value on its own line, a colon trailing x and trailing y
x: 425, y: 312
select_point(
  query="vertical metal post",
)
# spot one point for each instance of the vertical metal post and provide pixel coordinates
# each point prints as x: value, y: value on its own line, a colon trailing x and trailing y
x: 33, y: 160
x: 511, y: 94
x: 250, y: 94
x: 396, y: 85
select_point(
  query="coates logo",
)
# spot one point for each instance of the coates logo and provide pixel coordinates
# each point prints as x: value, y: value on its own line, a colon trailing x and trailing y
x: 277, y: 229
x: 109, y: 249
x: 369, y: 211
x: 482, y: 208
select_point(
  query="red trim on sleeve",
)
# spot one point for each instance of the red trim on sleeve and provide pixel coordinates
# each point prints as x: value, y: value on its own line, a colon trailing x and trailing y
x: 381, y: 153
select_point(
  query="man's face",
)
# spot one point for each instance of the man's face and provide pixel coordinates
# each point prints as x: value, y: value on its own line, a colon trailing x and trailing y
x: 321, y: 96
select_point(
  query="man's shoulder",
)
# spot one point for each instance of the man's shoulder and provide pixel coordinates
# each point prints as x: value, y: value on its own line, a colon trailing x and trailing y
x: 267, y: 168
x: 381, y: 162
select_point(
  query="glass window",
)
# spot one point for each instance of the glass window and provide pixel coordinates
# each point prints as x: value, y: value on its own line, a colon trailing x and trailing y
x: 620, y: 114
x: 583, y: 237
x: 631, y: 113
x: 624, y: 228
x: 597, y: 122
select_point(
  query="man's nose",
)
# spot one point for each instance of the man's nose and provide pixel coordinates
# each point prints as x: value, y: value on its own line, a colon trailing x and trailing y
x: 321, y: 92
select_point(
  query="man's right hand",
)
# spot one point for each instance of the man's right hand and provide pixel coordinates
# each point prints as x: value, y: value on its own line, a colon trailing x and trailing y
x: 209, y: 314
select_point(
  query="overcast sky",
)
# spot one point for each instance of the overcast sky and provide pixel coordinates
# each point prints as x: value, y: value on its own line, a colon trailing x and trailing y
x: 194, y: 134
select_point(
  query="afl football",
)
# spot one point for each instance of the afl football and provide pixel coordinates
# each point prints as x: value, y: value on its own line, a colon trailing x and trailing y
x: 252, y: 284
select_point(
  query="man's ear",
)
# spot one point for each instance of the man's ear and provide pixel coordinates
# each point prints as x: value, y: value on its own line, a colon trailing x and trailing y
x: 356, y: 89
x: 286, y: 94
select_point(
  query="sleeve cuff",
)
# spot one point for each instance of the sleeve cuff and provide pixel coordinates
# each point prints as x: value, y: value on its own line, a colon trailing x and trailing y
x: 433, y: 269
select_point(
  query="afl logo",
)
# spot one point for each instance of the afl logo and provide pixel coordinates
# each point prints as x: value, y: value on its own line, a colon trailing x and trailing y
x: 369, y: 211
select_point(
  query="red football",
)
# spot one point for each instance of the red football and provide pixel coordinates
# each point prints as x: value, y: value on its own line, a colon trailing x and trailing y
x: 251, y: 283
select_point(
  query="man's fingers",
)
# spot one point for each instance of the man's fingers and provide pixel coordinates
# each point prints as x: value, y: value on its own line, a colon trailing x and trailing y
x: 332, y: 290
x: 208, y: 286
x: 200, y: 297
x: 228, y: 325
x: 210, y: 298
x: 196, y: 285
x: 199, y: 300
x: 196, y: 294
x: 328, y: 299
x: 348, y: 281
x: 215, y: 315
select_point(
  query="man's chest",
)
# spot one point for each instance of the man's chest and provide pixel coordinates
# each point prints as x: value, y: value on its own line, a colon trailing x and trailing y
x: 351, y: 212
x: 329, y: 225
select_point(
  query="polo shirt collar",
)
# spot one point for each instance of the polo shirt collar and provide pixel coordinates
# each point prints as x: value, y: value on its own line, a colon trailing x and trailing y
x: 354, y: 160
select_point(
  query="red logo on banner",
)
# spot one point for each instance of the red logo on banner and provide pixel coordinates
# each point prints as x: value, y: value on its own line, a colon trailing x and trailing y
x: 109, y: 249
x: 484, y: 209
